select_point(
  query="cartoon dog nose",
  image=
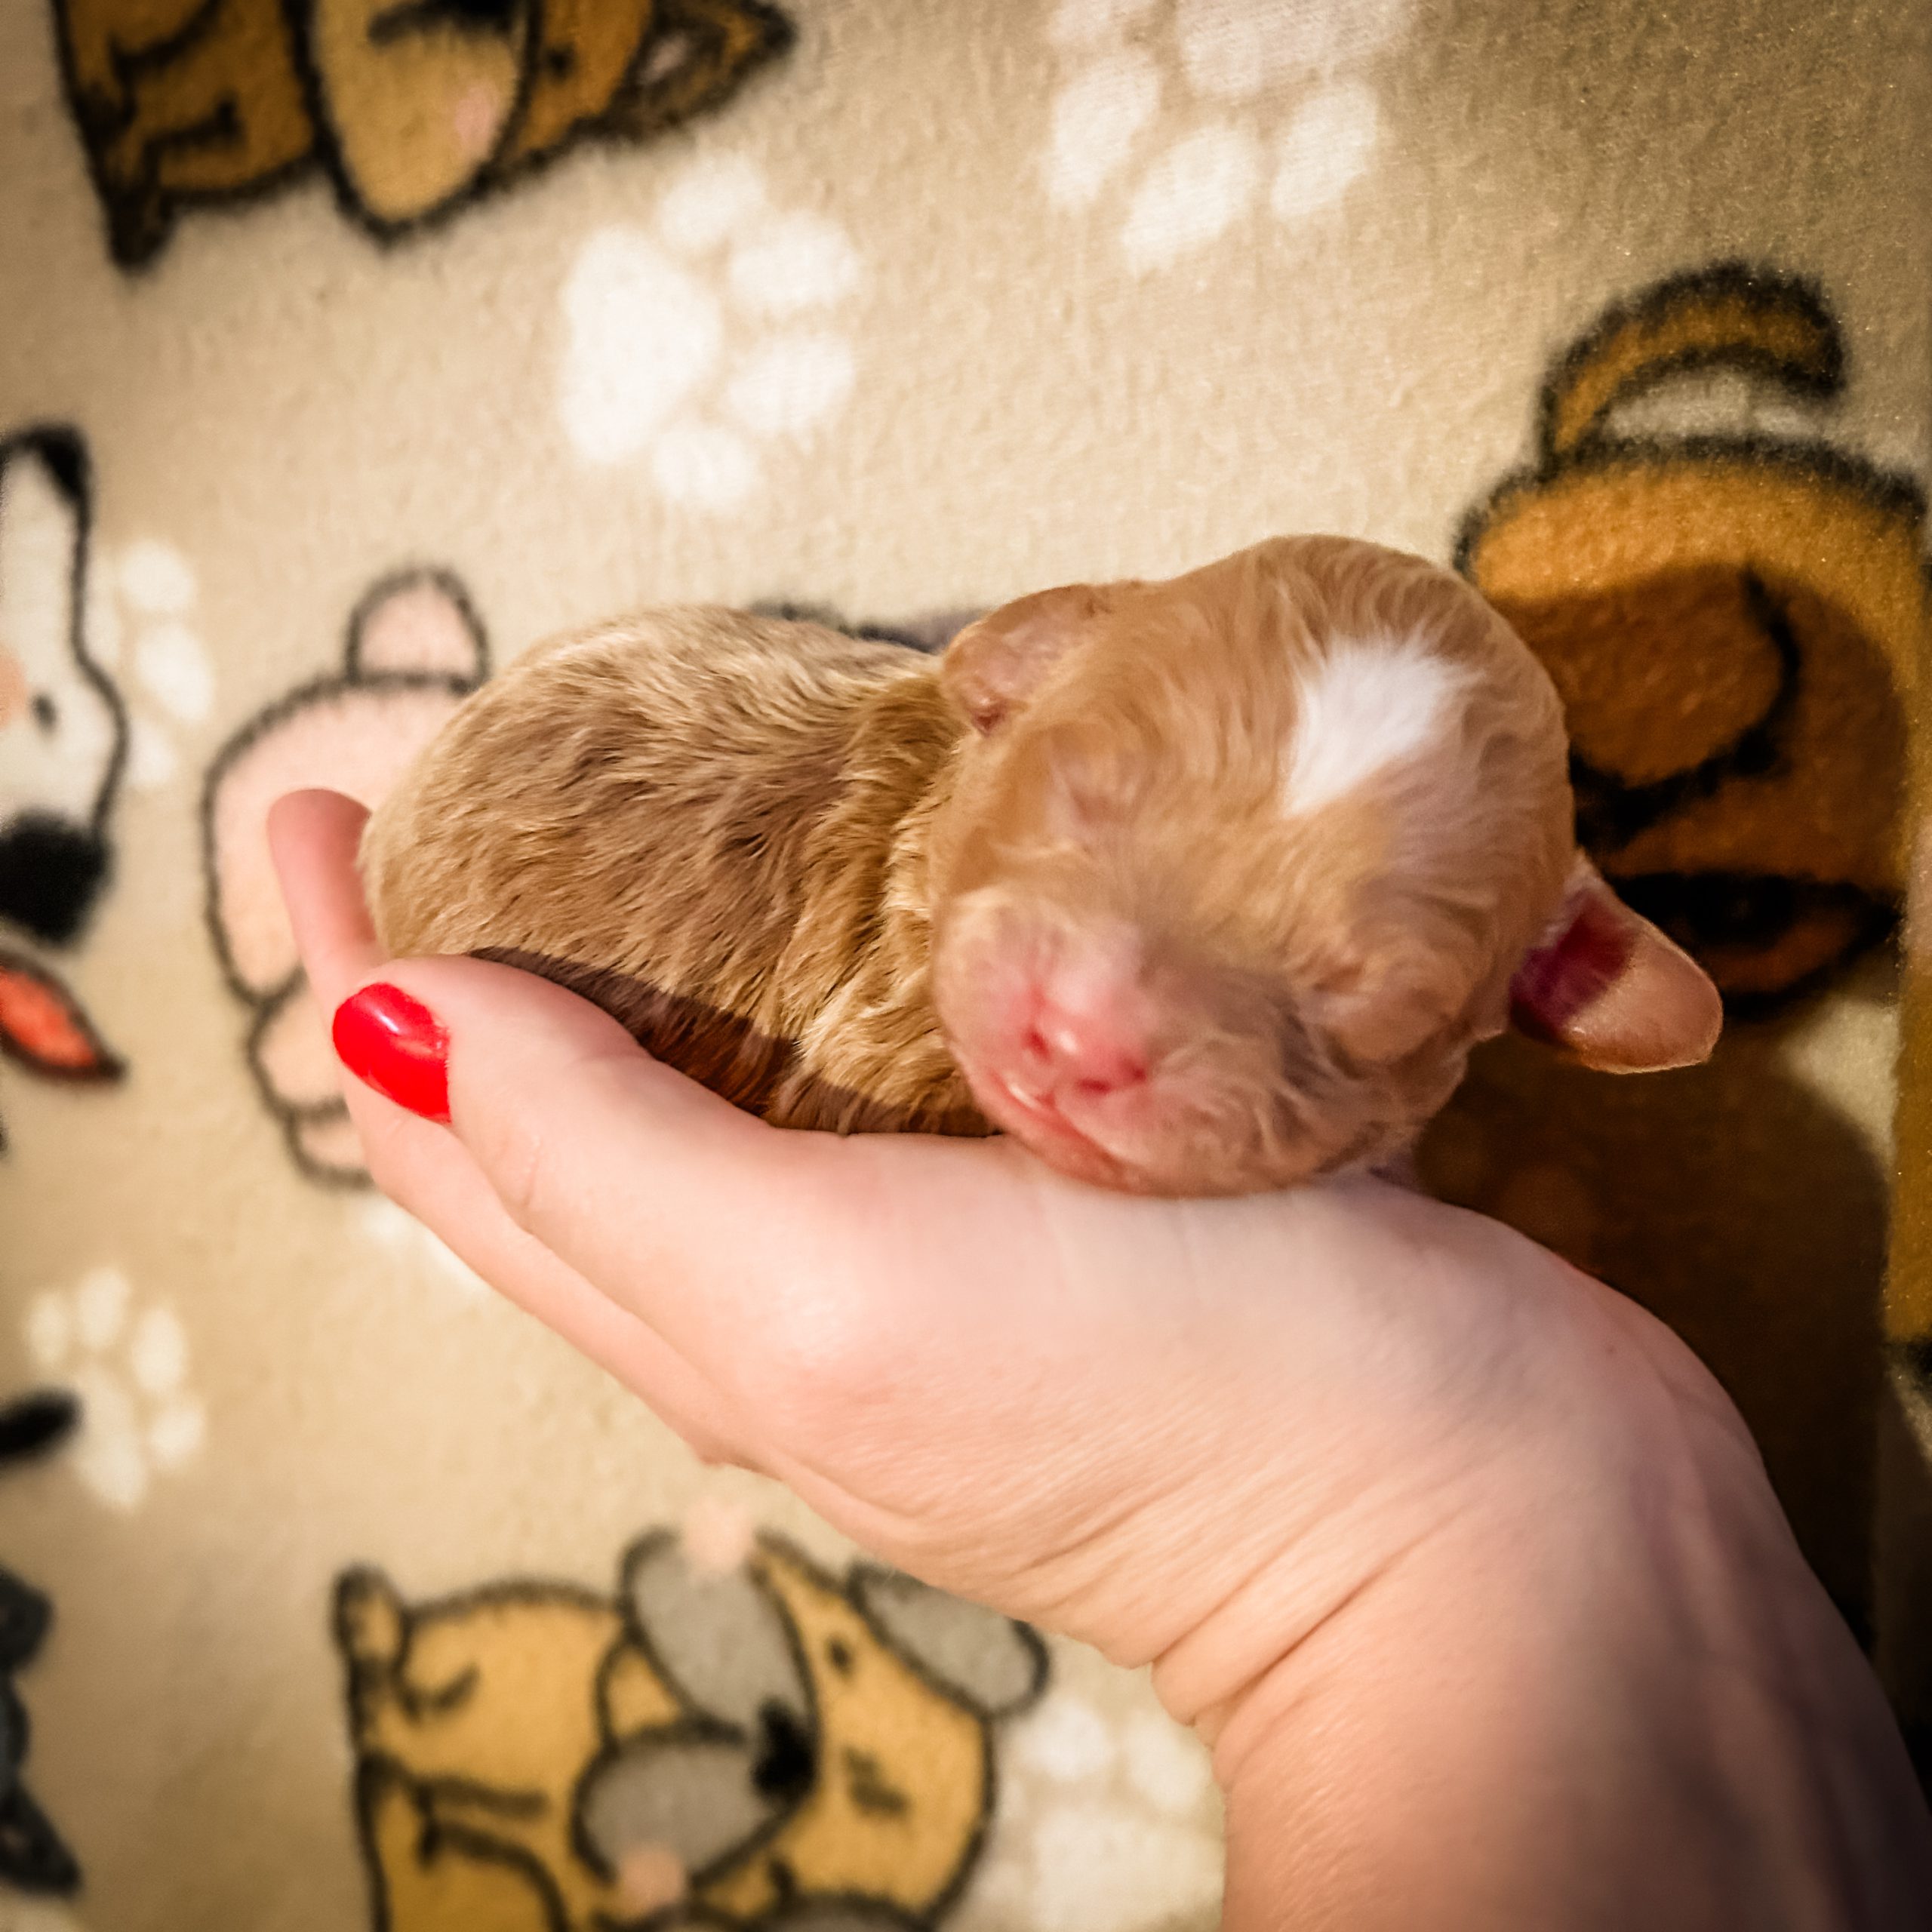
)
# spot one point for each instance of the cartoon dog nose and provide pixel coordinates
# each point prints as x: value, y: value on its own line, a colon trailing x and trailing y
x: 51, y: 874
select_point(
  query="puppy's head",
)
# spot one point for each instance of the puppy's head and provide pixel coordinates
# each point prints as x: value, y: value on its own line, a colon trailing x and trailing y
x: 1239, y: 866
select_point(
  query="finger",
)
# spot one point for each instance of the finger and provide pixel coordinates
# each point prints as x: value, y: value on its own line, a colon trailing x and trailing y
x: 312, y: 839
x: 699, y: 1218
x: 429, y: 1173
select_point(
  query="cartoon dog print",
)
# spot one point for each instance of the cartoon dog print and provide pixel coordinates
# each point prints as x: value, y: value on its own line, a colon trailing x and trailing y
x: 1734, y: 618
x: 61, y: 720
x: 1733, y: 621
x: 64, y: 739
x: 414, y: 107
x: 33, y: 1857
x: 416, y: 649
x: 757, y: 1746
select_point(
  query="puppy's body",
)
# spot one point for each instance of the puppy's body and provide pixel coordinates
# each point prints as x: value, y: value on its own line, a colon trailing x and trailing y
x: 714, y: 825
x: 1196, y: 888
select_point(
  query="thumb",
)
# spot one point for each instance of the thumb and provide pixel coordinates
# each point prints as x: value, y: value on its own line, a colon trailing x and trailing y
x: 690, y: 1213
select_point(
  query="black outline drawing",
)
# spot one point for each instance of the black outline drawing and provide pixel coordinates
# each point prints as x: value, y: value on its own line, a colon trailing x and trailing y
x: 649, y: 99
x: 63, y: 451
x: 794, y: 1779
x: 33, y: 1856
x: 267, y: 1008
x: 1702, y: 908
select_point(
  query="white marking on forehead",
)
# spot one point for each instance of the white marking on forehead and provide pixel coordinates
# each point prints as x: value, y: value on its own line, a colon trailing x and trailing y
x: 1363, y: 705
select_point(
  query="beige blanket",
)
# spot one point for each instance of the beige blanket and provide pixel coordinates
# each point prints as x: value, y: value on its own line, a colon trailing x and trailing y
x: 350, y: 347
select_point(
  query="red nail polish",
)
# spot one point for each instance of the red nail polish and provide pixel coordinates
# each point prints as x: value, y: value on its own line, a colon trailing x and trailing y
x: 396, y: 1044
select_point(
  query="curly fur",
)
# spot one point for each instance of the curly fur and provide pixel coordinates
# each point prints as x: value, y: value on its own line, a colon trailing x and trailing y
x: 798, y: 863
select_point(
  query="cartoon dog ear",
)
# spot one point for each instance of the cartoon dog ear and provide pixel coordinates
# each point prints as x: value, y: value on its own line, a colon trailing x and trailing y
x: 418, y: 622
x: 418, y: 100
x: 690, y: 1789
x: 1606, y: 987
x: 717, y: 1638
x: 993, y: 667
x: 990, y: 1663
x: 44, y: 492
x: 371, y: 1626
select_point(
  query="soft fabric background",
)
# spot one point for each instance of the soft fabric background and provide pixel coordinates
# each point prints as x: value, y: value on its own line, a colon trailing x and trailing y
x: 926, y: 308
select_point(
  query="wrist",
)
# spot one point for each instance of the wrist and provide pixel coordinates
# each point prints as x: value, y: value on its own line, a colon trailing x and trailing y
x: 1614, y: 1696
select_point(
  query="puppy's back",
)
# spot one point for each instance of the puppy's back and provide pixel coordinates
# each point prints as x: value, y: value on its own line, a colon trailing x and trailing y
x: 634, y: 798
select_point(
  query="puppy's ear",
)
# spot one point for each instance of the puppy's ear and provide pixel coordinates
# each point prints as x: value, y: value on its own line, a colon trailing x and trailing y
x: 992, y: 668
x: 1607, y: 988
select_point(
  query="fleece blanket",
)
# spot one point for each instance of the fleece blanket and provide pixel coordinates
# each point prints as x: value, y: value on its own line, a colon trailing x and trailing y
x: 352, y: 346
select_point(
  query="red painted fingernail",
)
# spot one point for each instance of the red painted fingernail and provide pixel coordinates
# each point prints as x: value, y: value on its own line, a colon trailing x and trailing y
x: 396, y: 1044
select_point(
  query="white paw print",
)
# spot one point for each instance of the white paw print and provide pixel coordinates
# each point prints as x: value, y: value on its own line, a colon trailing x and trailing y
x: 401, y: 1234
x: 704, y: 338
x: 1259, y: 95
x: 1102, y: 1827
x: 130, y: 1371
x: 140, y: 602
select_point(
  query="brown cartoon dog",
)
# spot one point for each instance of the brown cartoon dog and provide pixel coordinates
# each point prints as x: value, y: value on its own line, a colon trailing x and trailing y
x: 1731, y: 621
x: 758, y: 1746
x: 413, y: 107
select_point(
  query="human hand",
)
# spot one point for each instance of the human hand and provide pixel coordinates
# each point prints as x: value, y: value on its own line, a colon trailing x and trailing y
x: 1467, y: 1570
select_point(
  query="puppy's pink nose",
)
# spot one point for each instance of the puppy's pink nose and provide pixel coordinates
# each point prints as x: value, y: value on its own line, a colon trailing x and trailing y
x: 1076, y: 1054
x: 1087, y: 1036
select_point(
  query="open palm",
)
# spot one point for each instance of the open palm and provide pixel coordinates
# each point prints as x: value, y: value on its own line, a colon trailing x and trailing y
x: 1290, y: 1449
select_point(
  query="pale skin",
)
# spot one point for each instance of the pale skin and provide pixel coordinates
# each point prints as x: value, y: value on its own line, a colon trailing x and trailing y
x: 1465, y: 1570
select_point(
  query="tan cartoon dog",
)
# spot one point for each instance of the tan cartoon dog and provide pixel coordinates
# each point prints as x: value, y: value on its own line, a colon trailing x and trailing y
x: 414, y: 106
x: 758, y: 1746
x: 416, y: 649
x: 1731, y: 621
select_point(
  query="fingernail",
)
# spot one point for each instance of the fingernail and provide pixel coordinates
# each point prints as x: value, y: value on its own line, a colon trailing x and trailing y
x: 396, y: 1044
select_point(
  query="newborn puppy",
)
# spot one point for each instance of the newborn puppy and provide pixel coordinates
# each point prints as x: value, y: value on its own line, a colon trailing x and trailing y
x: 1195, y: 888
